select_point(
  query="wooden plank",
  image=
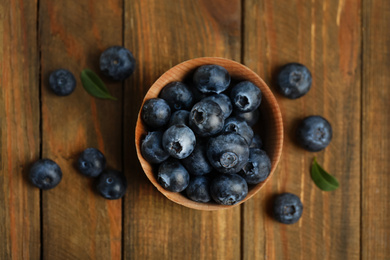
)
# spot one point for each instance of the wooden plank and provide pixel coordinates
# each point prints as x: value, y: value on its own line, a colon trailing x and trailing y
x: 162, y: 34
x: 376, y: 131
x: 325, y: 36
x: 19, y: 130
x: 77, y: 222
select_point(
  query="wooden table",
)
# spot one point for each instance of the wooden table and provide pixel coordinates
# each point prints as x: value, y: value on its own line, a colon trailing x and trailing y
x: 345, y: 44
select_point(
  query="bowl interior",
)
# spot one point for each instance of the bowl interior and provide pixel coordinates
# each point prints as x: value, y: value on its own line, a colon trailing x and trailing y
x: 270, y: 117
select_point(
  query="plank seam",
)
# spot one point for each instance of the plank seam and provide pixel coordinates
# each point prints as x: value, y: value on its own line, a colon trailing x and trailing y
x: 361, y: 123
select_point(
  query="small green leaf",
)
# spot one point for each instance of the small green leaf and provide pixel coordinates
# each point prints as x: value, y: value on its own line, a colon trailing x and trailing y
x: 94, y: 85
x: 322, y: 179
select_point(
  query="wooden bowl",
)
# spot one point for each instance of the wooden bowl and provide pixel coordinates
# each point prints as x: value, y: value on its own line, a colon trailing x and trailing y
x: 270, y: 116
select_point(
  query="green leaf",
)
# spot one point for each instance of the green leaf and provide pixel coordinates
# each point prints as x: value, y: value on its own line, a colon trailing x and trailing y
x: 322, y: 179
x: 94, y: 85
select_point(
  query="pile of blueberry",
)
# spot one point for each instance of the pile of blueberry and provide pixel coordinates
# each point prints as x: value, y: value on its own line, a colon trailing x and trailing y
x: 117, y: 63
x: 201, y: 139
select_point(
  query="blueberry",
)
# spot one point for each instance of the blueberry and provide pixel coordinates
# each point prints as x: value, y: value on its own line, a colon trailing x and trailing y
x: 250, y: 117
x: 45, y: 174
x: 245, y: 96
x: 173, y: 176
x: 177, y: 95
x: 206, y: 118
x: 197, y: 95
x: 211, y: 78
x: 111, y: 184
x: 91, y: 162
x: 117, y: 63
x: 228, y: 189
x: 179, y: 117
x: 239, y: 126
x: 199, y: 189
x: 152, y: 149
x: 224, y: 102
x: 287, y: 208
x: 156, y: 112
x: 62, y: 82
x: 258, y: 167
x: 256, y: 142
x: 314, y: 133
x: 294, y: 80
x: 179, y: 141
x: 197, y: 163
x: 228, y: 153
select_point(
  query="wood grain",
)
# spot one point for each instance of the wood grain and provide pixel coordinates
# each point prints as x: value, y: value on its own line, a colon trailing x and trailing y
x: 19, y: 130
x: 325, y: 36
x: 162, y: 34
x: 376, y: 130
x: 77, y: 222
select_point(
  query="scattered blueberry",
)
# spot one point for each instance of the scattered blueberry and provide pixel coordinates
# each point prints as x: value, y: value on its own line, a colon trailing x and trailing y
x: 62, y: 82
x: 228, y: 153
x: 287, y: 208
x: 91, y: 162
x: 250, y: 117
x: 173, y: 176
x: 239, y: 126
x: 197, y: 163
x: 156, y: 112
x: 314, y: 133
x: 111, y: 184
x: 258, y: 167
x: 256, y: 142
x: 152, y: 149
x: 179, y: 141
x: 211, y: 78
x: 206, y: 118
x: 228, y: 189
x: 224, y: 102
x: 179, y: 117
x: 177, y: 95
x: 45, y: 174
x: 199, y: 189
x: 245, y: 96
x: 117, y: 63
x: 294, y: 80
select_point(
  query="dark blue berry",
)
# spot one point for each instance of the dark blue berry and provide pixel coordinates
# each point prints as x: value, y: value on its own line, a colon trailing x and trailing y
x: 179, y: 117
x: 199, y: 189
x: 111, y: 184
x: 152, y: 149
x: 294, y: 80
x: 45, y: 174
x: 228, y: 189
x: 239, y: 126
x: 211, y: 79
x: 258, y: 167
x: 156, y: 112
x: 224, y: 102
x: 197, y: 163
x: 206, y: 118
x: 117, y: 63
x: 287, y: 208
x: 250, y: 117
x: 177, y: 95
x: 173, y: 176
x: 228, y: 153
x: 62, y: 82
x: 245, y: 96
x: 256, y: 142
x: 314, y: 133
x: 179, y: 141
x: 197, y: 95
x: 91, y: 162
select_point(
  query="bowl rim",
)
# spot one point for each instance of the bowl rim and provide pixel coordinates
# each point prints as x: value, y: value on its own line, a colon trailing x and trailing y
x: 187, y: 66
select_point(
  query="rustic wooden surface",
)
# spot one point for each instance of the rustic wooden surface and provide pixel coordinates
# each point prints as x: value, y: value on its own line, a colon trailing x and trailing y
x: 345, y: 44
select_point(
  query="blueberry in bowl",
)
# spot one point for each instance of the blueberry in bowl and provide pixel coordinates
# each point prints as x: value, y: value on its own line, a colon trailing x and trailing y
x: 210, y: 174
